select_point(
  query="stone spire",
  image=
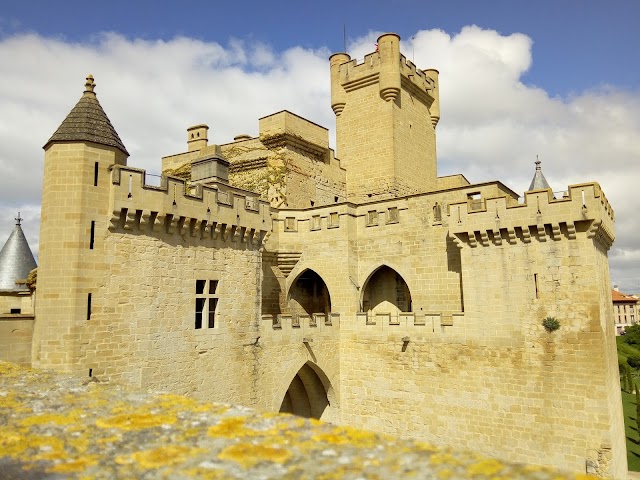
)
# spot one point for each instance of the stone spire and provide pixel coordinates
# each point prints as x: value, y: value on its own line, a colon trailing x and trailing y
x: 16, y: 260
x: 87, y: 122
x: 539, y: 182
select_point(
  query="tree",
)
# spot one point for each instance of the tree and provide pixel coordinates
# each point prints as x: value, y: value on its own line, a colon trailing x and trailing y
x: 632, y: 335
x: 630, y: 380
x: 638, y: 411
x: 623, y: 376
x: 634, y: 362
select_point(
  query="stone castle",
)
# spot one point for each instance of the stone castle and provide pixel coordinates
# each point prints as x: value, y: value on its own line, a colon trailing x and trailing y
x: 359, y: 288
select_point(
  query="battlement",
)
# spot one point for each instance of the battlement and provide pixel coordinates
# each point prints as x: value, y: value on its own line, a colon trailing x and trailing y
x: 583, y: 208
x: 314, y: 322
x: 422, y: 322
x: 420, y: 83
x: 207, y: 212
x: 321, y: 219
x: 386, y: 114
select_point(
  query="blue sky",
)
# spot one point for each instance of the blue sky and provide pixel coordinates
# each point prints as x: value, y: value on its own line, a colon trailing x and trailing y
x: 577, y: 44
x: 559, y: 79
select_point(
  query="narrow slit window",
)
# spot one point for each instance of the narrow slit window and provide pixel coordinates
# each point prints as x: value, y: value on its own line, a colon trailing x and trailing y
x: 89, y: 306
x: 95, y: 174
x: 535, y: 281
x: 93, y: 233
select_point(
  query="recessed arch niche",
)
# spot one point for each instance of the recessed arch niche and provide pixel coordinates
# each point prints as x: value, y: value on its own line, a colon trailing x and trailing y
x: 309, y: 294
x: 308, y: 394
x: 385, y: 291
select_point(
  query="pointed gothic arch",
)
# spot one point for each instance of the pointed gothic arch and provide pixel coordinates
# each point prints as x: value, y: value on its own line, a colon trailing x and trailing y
x: 385, y: 290
x: 308, y: 393
x: 309, y: 294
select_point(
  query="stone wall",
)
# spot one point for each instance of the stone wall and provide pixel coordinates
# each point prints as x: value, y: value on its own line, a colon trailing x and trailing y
x: 95, y: 430
x: 16, y: 332
x: 472, y: 363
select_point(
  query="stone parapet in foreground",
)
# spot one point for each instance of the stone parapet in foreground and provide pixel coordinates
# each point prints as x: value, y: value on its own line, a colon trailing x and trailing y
x: 55, y: 426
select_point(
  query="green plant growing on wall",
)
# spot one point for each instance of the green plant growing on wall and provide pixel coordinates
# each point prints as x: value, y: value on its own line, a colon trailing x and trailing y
x: 551, y: 324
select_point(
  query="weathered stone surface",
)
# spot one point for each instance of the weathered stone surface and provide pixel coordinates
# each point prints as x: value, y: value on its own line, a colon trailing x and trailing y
x: 55, y: 426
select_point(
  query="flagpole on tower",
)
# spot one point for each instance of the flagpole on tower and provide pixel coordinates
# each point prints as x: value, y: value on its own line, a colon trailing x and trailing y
x: 344, y: 37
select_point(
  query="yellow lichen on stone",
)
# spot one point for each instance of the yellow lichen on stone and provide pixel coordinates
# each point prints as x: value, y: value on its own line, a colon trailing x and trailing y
x: 345, y: 471
x: 443, y: 458
x: 12, y: 370
x: 160, y: 457
x: 352, y: 436
x: 232, y: 427
x: 136, y: 421
x: 14, y: 443
x: 107, y: 440
x: 425, y: 447
x: 75, y: 465
x: 445, y: 474
x: 206, y: 473
x: 46, y: 418
x: 249, y: 455
x: 487, y: 467
x: 10, y: 401
x: 181, y: 403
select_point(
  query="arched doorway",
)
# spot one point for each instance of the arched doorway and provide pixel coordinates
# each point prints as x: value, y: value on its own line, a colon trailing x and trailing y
x: 386, y: 292
x: 309, y: 294
x: 307, y: 394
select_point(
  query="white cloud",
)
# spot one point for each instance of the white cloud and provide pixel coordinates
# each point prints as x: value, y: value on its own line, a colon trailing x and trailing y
x: 492, y: 127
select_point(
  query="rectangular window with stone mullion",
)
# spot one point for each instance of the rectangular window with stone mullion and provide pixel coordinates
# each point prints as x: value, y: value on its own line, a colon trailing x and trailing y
x: 206, y: 303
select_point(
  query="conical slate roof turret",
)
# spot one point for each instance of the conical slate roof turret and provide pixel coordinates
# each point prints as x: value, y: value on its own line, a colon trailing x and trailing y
x: 87, y: 122
x: 16, y: 260
x: 539, y: 182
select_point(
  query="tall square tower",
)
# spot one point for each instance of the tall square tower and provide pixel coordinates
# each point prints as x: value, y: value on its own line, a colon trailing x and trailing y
x: 386, y: 113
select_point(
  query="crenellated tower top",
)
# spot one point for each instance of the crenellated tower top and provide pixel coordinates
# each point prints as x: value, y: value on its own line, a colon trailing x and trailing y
x: 386, y: 113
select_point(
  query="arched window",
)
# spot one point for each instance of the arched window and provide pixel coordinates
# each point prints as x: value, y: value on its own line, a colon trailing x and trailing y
x: 386, y: 292
x: 309, y: 294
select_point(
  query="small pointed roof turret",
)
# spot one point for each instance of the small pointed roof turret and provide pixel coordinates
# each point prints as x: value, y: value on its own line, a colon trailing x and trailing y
x: 87, y: 122
x: 16, y: 260
x: 538, y: 182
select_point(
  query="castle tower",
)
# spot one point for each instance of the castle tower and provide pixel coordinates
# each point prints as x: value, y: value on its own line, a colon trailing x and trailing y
x: 386, y: 113
x: 16, y: 260
x: 75, y: 199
